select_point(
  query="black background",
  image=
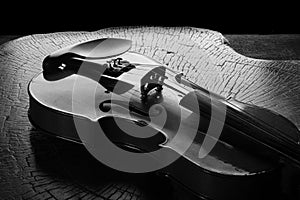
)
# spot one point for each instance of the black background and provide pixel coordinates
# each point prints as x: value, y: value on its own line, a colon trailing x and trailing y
x: 237, y: 18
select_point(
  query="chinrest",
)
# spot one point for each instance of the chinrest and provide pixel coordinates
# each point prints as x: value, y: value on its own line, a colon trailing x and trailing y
x: 97, y: 49
x: 54, y: 64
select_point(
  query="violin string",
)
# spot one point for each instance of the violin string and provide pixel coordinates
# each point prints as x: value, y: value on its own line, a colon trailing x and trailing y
x: 166, y: 71
x: 169, y: 72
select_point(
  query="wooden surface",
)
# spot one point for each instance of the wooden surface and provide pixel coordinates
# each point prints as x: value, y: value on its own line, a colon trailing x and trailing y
x: 35, y: 166
x: 271, y: 47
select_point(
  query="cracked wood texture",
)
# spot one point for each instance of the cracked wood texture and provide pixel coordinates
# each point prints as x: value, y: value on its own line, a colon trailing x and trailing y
x: 36, y: 166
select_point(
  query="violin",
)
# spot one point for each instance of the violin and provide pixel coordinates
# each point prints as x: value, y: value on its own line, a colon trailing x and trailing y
x: 137, y: 115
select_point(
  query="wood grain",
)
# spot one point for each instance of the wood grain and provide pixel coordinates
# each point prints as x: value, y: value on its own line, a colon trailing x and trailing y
x: 34, y: 166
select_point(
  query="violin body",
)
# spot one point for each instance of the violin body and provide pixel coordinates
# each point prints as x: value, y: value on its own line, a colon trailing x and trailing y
x: 142, y: 106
